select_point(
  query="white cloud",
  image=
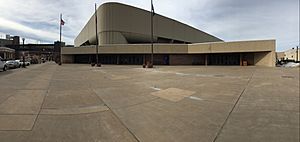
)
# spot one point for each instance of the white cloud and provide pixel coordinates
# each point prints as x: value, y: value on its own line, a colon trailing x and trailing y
x: 229, y: 20
x: 10, y: 25
x: 39, y: 19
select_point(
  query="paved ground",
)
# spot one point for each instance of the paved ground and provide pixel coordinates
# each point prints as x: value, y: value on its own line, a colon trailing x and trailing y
x: 78, y: 103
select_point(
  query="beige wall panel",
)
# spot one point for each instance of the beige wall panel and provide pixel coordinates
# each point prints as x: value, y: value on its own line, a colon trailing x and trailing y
x: 112, y: 38
x: 233, y: 47
x: 125, y: 49
x: 128, y: 19
x: 199, y: 48
x: 223, y: 47
x: 166, y: 49
x: 264, y: 59
x: 243, y: 46
x: 82, y: 50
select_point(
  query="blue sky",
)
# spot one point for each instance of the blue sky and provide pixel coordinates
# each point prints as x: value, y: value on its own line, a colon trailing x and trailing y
x: 230, y: 20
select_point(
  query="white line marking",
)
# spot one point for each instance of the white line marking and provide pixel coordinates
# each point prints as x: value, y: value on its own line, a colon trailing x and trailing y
x: 195, y: 98
x: 183, y: 74
x: 155, y: 88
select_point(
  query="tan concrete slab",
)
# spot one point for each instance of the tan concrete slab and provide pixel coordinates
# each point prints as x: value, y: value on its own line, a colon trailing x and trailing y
x: 173, y: 94
x: 71, y: 98
x: 16, y: 122
x: 118, y: 77
x: 93, y: 127
x: 60, y: 85
x: 69, y: 111
x: 162, y: 120
x: 6, y: 93
x: 38, y: 84
x: 261, y: 125
x: 23, y: 102
x: 119, y: 97
x: 270, y: 94
x: 11, y: 84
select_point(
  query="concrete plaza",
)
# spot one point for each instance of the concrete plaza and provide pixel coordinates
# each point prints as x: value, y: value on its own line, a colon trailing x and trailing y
x: 79, y: 103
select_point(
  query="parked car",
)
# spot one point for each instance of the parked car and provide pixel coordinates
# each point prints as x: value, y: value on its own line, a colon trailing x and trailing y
x: 12, y: 64
x: 21, y: 62
x: 3, y: 64
x: 27, y: 63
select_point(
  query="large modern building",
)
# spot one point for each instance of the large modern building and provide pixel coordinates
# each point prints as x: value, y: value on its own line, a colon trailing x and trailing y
x: 124, y: 37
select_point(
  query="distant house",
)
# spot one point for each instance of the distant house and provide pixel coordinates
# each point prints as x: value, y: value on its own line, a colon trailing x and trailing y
x: 292, y: 54
x: 7, y: 53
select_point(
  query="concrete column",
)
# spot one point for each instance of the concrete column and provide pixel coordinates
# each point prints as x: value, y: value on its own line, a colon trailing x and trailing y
x: 118, y: 59
x: 206, y: 60
x: 241, y: 60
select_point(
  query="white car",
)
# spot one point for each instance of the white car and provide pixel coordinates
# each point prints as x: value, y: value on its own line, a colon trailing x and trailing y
x: 27, y: 63
x: 2, y: 64
x: 12, y: 64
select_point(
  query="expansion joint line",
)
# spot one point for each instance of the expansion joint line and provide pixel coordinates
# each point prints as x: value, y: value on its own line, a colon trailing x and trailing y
x: 46, y: 94
x: 134, y: 136
x: 234, y: 106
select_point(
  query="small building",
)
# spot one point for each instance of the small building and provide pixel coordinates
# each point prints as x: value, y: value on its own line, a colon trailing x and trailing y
x: 7, y: 53
x: 292, y: 54
x: 10, y: 41
x: 40, y: 51
x: 280, y: 56
x: 124, y: 37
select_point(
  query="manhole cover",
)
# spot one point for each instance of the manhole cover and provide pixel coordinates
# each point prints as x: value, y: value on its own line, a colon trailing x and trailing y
x: 287, y: 76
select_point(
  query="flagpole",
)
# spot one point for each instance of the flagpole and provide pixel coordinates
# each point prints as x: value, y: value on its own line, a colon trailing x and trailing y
x: 97, y: 43
x: 60, y: 62
x: 152, y: 14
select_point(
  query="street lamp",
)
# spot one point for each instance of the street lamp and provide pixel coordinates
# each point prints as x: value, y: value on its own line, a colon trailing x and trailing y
x: 23, y: 39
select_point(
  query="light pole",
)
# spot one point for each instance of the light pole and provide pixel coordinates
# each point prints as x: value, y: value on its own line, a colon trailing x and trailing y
x: 23, y: 39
